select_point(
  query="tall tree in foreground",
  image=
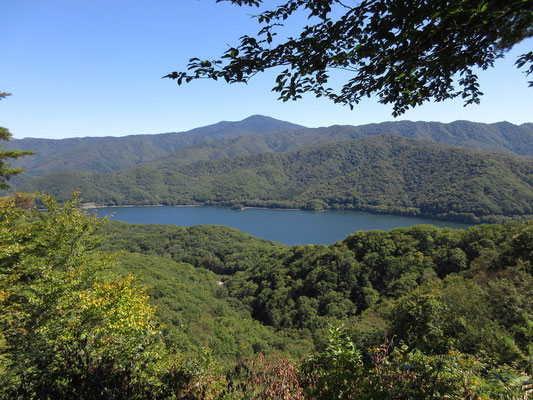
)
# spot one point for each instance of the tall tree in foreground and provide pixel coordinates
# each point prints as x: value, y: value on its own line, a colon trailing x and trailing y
x: 405, y: 52
x: 5, y: 167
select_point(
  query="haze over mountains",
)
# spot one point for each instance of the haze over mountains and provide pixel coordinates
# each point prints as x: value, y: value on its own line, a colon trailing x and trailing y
x: 412, y: 168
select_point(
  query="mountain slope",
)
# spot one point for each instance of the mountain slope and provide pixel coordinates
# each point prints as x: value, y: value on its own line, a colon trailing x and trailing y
x: 382, y: 173
x: 256, y: 134
x: 501, y: 137
x: 111, y: 154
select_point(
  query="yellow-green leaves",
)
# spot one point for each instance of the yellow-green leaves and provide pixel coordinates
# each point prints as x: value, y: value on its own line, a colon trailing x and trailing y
x: 120, y: 307
x: 66, y: 331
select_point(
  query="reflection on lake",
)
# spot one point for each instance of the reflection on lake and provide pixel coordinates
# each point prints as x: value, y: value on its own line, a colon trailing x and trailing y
x: 286, y: 226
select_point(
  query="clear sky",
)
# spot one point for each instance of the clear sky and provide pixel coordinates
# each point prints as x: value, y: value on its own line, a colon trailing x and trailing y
x: 93, y: 68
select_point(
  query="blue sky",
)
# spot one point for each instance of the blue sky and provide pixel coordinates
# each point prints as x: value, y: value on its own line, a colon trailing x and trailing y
x: 93, y: 68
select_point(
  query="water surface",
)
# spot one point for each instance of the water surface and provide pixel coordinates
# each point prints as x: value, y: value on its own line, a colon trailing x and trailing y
x: 286, y: 226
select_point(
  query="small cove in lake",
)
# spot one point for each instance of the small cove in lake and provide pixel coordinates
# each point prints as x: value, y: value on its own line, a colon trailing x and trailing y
x: 290, y: 227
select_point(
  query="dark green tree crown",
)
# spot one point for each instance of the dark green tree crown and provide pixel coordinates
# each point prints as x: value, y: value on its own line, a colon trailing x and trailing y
x: 5, y: 167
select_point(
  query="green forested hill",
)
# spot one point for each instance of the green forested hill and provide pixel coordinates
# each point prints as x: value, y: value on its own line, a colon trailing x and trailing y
x: 307, y: 286
x: 174, y: 264
x: 197, y: 313
x: 382, y: 173
x: 378, y: 315
x: 110, y: 154
x: 432, y: 291
x: 253, y: 135
x: 221, y: 249
x: 302, y: 289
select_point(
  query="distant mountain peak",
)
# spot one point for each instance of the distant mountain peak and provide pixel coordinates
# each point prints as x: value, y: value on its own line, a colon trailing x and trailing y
x: 266, y: 118
x: 258, y: 117
x: 254, y: 124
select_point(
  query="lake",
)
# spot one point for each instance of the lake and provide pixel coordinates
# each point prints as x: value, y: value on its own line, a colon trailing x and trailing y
x: 290, y: 227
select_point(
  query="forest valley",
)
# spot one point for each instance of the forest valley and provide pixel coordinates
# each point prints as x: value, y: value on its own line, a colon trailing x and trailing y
x: 94, y: 309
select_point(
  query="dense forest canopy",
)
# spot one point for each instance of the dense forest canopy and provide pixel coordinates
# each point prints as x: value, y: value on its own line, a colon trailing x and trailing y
x: 419, y: 312
x: 93, y: 309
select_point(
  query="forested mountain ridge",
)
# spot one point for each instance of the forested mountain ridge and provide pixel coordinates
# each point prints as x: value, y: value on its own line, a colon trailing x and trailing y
x: 500, y: 137
x: 382, y: 173
x: 256, y: 134
x: 110, y: 154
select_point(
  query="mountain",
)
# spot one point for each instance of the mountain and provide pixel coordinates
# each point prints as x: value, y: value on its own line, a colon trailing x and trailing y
x: 501, y: 137
x: 381, y: 173
x: 253, y: 135
x: 111, y: 154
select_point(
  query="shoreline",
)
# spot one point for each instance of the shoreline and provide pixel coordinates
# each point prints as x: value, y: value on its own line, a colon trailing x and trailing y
x: 267, y: 208
x: 490, y: 219
x: 91, y: 206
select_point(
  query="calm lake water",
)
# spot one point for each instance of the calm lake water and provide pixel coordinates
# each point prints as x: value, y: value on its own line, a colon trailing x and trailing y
x: 285, y: 226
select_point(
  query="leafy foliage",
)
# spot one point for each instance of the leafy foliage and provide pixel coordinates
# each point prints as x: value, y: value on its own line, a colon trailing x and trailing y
x: 64, y: 333
x: 406, y: 53
x: 395, y: 372
x: 454, y: 303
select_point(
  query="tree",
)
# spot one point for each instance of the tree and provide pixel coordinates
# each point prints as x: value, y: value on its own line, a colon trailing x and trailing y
x: 5, y: 171
x: 404, y: 52
x: 65, y: 330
